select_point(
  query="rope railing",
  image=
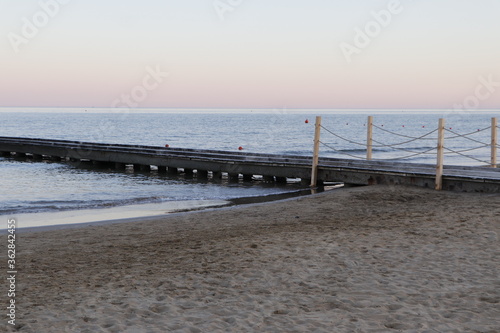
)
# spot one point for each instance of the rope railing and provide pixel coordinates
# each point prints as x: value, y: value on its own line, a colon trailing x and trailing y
x: 467, y: 156
x: 464, y: 150
x: 457, y: 135
x: 381, y: 144
x: 465, y: 136
x: 412, y: 140
x: 406, y: 136
x: 402, y: 149
x: 341, y: 152
x: 403, y: 157
x: 443, y: 148
x: 342, y: 138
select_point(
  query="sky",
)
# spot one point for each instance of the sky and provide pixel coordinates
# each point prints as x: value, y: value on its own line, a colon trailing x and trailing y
x: 333, y: 54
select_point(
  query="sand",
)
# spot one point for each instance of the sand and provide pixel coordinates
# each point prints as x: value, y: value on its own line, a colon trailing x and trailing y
x: 367, y: 259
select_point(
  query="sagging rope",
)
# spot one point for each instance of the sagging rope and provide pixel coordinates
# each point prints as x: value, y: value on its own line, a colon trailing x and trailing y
x: 407, y: 136
x: 413, y: 139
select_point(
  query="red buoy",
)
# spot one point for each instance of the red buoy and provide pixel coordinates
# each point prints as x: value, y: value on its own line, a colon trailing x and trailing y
x: 240, y: 148
x: 307, y: 121
x: 166, y: 146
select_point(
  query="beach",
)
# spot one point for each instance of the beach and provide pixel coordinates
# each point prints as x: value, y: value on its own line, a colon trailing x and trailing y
x: 360, y: 259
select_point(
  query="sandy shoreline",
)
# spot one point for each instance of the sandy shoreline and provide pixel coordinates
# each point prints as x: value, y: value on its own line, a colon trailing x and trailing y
x: 372, y: 259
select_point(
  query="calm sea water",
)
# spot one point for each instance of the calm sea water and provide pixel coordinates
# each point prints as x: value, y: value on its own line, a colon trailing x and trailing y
x: 47, y: 186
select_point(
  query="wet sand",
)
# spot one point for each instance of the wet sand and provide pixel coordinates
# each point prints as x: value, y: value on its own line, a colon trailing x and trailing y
x: 367, y: 259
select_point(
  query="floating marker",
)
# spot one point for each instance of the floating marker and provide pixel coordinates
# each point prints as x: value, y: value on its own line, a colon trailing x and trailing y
x: 240, y: 148
x: 307, y: 121
x: 166, y: 146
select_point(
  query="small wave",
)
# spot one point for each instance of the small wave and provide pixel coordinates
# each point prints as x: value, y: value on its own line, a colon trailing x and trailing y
x: 44, y: 206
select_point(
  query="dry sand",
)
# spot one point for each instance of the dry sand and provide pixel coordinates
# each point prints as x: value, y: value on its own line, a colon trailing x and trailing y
x: 371, y: 259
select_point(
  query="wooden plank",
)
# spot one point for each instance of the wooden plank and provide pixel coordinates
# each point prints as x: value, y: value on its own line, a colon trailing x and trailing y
x: 440, y: 155
x: 369, y: 138
x: 317, y: 134
x: 494, y: 142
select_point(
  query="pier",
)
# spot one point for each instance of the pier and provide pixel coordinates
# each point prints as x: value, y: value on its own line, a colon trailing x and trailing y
x: 243, y: 166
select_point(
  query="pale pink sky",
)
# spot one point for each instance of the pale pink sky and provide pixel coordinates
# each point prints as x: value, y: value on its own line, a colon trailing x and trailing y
x: 425, y: 54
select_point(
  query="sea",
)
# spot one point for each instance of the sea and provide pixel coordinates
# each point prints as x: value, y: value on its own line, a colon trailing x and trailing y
x: 44, y: 187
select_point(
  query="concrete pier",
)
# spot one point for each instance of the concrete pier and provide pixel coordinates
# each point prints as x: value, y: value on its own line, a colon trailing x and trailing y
x: 272, y: 167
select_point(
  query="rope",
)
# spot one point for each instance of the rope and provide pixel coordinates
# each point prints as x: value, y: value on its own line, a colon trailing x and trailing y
x: 341, y: 152
x: 412, y: 139
x: 396, y: 144
x: 406, y: 136
x: 338, y: 136
x: 466, y: 150
x: 457, y: 135
x: 472, y: 158
x: 381, y: 144
x: 465, y: 137
x: 379, y: 159
x: 406, y: 150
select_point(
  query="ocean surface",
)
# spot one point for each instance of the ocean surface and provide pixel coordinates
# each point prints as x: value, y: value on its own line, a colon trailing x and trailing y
x: 40, y: 187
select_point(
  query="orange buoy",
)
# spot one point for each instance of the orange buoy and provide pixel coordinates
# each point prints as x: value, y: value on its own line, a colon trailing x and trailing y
x: 240, y: 148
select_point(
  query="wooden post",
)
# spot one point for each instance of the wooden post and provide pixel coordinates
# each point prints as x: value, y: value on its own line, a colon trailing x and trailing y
x: 440, y: 155
x: 314, y: 171
x: 494, y: 142
x: 369, y: 138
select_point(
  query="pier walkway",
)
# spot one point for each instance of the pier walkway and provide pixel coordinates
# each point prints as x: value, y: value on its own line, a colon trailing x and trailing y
x: 243, y: 165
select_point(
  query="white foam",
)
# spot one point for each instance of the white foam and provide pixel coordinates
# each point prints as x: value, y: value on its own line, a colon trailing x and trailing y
x: 114, y: 213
